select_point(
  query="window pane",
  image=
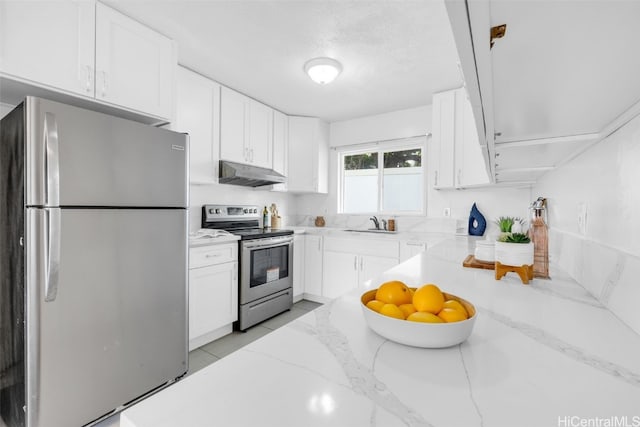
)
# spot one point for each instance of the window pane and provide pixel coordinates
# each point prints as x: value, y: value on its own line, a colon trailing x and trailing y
x: 361, y: 161
x: 402, y: 176
x: 360, y: 178
x: 403, y: 159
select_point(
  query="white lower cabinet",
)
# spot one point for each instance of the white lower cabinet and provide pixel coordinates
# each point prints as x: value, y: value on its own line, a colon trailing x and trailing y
x: 298, y: 266
x: 313, y: 266
x: 348, y: 263
x: 213, y: 292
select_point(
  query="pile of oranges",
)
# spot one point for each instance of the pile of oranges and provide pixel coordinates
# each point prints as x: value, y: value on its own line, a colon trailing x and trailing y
x: 425, y: 304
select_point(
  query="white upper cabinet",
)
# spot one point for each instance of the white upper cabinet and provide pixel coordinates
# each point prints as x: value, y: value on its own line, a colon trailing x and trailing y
x: 233, y: 126
x: 49, y: 43
x: 280, y: 142
x: 442, y: 139
x: 456, y: 154
x: 86, y: 49
x: 470, y: 168
x: 260, y: 134
x: 308, y: 155
x: 198, y: 114
x: 135, y: 65
x: 246, y: 130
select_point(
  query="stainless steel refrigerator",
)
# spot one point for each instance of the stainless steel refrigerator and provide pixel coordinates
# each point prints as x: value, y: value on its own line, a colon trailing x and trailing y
x: 93, y: 263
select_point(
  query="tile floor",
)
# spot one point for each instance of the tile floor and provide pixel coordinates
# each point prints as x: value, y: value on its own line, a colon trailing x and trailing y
x: 216, y: 350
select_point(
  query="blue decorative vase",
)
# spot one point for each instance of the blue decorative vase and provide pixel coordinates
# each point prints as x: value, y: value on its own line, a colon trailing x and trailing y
x: 477, y: 222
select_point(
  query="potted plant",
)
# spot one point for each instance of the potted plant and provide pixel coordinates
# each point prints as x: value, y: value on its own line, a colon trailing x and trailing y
x: 508, y: 225
x: 514, y: 249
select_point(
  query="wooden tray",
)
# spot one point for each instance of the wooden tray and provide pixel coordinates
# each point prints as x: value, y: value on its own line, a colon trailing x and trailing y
x: 471, y: 261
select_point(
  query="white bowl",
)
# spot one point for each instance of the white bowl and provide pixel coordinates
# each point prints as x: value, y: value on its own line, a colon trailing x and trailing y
x: 485, y: 251
x: 419, y: 334
x: 514, y: 254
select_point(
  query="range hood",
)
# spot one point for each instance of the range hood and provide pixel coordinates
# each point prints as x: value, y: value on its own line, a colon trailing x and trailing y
x: 247, y: 175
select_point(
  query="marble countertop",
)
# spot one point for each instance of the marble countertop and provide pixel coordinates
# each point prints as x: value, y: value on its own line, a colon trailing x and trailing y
x: 420, y: 236
x: 206, y: 241
x: 544, y: 354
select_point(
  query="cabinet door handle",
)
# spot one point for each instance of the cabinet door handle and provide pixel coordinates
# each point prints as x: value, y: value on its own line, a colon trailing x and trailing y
x: 104, y: 84
x: 361, y: 263
x: 251, y: 151
x: 355, y: 262
x: 89, y: 78
x: 459, y: 174
x: 435, y: 179
x: 212, y: 255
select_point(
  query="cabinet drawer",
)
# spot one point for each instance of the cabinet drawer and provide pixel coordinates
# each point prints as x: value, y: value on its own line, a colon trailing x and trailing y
x: 212, y: 255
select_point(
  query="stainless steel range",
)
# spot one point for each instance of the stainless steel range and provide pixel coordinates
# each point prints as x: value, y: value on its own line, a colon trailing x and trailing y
x: 266, y: 262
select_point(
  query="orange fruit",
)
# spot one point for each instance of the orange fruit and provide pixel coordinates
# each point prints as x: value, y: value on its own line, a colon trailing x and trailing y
x: 428, y: 298
x: 407, y: 309
x: 375, y: 305
x: 457, y: 305
x: 392, y: 310
x: 423, y: 316
x: 394, y: 292
x: 451, y: 315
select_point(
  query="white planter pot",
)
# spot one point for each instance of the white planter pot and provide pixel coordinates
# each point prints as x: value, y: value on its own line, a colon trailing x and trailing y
x: 514, y: 254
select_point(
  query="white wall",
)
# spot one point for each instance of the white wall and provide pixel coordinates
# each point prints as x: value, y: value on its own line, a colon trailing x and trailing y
x: 605, y: 178
x: 381, y: 127
x: 234, y: 194
x: 492, y: 202
x: 605, y: 259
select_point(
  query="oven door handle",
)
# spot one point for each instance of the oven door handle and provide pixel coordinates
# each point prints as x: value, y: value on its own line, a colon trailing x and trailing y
x: 271, y: 243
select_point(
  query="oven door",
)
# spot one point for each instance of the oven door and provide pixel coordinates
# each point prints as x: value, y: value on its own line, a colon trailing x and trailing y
x: 266, y: 267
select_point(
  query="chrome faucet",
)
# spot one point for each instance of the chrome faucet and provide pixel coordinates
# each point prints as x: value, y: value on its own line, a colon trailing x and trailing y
x: 375, y: 222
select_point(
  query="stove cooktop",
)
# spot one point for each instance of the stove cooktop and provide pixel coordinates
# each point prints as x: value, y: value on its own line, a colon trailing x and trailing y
x: 260, y: 233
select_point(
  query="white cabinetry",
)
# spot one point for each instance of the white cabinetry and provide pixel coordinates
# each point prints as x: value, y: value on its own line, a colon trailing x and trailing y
x: 443, y: 139
x: 213, y: 292
x: 348, y: 263
x: 298, y: 266
x: 456, y: 153
x: 49, y: 43
x: 198, y: 114
x: 469, y: 161
x: 313, y: 266
x: 409, y: 249
x: 86, y: 48
x: 135, y: 66
x: 246, y: 130
x: 308, y: 155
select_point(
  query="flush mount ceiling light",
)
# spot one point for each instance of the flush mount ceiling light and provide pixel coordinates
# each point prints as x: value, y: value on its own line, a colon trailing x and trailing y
x: 322, y: 70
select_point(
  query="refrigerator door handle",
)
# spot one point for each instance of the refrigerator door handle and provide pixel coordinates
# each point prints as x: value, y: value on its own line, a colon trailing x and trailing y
x: 52, y: 253
x: 52, y: 162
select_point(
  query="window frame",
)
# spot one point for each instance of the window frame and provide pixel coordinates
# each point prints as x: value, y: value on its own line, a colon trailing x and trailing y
x: 382, y: 147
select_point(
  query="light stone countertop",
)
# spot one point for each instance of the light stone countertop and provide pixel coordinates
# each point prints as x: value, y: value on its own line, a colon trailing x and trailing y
x: 206, y: 241
x: 429, y: 237
x: 539, y: 355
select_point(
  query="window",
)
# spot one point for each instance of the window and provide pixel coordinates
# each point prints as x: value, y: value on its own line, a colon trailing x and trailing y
x: 382, y: 180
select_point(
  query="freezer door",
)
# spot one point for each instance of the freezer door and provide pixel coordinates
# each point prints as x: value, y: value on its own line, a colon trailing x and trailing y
x: 106, y: 309
x: 77, y: 157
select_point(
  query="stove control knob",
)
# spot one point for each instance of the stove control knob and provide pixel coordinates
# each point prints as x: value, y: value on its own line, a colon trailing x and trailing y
x: 255, y: 211
x: 218, y: 211
x: 246, y: 211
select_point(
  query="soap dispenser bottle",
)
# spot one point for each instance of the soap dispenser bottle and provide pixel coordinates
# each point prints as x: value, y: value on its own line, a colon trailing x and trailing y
x: 266, y: 221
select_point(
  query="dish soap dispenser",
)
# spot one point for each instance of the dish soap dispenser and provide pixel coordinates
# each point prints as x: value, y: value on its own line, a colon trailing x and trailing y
x: 266, y: 221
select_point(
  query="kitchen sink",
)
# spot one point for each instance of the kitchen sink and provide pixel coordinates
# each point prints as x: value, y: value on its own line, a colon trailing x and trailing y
x: 372, y: 230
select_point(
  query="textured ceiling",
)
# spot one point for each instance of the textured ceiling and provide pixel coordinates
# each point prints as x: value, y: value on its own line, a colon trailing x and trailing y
x: 395, y: 54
